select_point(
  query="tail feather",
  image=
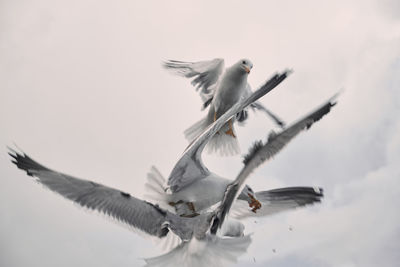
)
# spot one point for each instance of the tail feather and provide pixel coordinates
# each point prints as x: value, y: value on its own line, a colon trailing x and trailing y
x: 224, y: 144
x: 154, y: 186
x: 155, y: 191
x: 221, y: 143
x: 213, y: 251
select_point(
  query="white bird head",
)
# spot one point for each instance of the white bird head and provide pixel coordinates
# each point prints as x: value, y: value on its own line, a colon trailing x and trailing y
x: 245, y: 65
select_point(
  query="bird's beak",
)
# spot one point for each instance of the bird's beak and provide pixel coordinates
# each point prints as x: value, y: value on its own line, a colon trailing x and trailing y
x: 247, y: 69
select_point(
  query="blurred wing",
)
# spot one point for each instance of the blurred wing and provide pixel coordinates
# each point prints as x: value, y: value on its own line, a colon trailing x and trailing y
x: 243, y: 115
x: 274, y: 117
x: 205, y: 74
x: 190, y: 166
x: 139, y: 214
x: 278, y: 200
x: 260, y: 152
x: 212, y: 251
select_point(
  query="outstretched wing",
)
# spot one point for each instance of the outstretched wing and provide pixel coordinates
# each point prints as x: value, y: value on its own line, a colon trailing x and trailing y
x: 261, y: 152
x: 119, y: 205
x: 205, y: 74
x: 190, y: 166
x: 278, y: 200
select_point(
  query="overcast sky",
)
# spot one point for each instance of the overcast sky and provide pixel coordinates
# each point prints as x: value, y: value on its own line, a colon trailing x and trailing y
x: 82, y: 91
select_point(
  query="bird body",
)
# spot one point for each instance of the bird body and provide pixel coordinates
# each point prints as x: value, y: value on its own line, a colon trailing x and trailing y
x: 230, y: 88
x: 203, y: 193
x: 193, y: 199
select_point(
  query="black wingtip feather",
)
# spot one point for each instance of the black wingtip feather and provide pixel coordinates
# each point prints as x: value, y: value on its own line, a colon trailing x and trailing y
x: 24, y: 162
x: 301, y: 195
x: 126, y: 195
x: 12, y: 155
x: 321, y: 113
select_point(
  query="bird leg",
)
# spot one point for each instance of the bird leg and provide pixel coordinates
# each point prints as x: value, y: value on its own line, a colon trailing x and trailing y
x: 230, y: 131
x: 191, y: 206
x: 254, y: 204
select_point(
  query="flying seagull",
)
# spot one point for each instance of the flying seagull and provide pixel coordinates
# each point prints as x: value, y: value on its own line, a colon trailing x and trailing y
x: 220, y: 89
x: 192, y: 188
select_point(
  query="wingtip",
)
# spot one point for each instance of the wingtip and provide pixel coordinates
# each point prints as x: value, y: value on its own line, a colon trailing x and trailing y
x: 14, y: 153
x: 334, y: 98
x: 288, y: 71
x: 319, y: 191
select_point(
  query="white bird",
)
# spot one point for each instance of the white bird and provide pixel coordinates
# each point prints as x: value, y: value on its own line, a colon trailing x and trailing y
x: 219, y: 89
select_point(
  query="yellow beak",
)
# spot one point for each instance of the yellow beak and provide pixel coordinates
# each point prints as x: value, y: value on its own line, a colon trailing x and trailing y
x: 247, y: 69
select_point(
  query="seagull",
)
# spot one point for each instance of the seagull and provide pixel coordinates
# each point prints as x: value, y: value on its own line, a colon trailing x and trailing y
x: 220, y: 89
x: 192, y: 188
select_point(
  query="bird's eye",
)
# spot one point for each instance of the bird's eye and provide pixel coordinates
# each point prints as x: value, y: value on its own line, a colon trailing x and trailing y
x: 244, y: 62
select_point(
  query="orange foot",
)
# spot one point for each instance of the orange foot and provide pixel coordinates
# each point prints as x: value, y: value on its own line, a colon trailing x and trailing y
x: 230, y: 131
x: 254, y: 204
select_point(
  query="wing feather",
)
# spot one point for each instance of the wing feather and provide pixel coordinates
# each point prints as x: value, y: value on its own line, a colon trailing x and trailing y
x: 205, y: 74
x: 139, y: 214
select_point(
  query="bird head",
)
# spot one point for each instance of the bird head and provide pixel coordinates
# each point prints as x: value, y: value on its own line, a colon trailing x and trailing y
x: 245, y: 65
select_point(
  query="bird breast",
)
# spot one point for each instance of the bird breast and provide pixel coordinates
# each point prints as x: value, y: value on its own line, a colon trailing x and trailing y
x: 229, y: 91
